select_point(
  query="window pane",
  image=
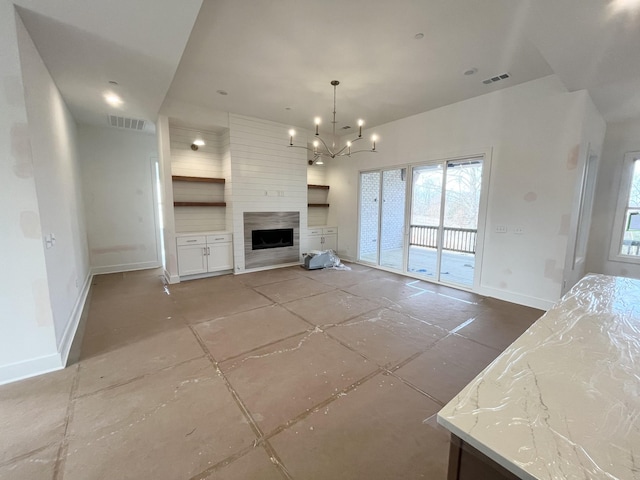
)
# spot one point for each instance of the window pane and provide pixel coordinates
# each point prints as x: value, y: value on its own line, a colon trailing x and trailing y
x: 631, y: 238
x: 634, y: 195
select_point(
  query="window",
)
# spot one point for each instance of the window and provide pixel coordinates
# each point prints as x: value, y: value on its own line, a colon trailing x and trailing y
x: 625, y: 245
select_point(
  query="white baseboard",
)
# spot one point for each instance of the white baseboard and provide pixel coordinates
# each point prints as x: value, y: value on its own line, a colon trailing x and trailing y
x: 518, y: 298
x: 30, y: 368
x: 127, y: 267
x: 171, y: 279
x: 270, y: 267
x: 72, y: 325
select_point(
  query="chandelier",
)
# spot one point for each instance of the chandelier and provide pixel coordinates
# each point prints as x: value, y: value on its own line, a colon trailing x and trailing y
x: 322, y: 149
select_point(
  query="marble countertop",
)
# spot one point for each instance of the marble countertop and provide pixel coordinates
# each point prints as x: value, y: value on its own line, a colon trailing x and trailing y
x: 563, y: 401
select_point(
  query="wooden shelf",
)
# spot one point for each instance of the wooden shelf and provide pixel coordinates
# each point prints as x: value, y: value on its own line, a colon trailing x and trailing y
x: 319, y: 187
x: 199, y: 204
x: 317, y: 204
x: 180, y: 178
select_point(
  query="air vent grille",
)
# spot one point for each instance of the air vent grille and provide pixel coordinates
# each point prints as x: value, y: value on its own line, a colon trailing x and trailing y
x: 128, y: 123
x: 495, y: 79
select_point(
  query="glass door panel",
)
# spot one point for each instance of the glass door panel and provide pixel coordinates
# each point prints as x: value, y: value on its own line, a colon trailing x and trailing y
x: 369, y: 217
x: 426, y: 212
x: 394, y: 187
x: 460, y: 221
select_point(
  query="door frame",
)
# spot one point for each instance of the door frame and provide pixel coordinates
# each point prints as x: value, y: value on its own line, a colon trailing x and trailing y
x: 486, y: 154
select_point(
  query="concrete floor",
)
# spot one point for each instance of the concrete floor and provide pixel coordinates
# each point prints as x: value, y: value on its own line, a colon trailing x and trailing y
x: 278, y: 374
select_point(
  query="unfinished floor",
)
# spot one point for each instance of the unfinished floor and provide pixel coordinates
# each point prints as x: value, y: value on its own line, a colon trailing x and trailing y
x: 278, y: 374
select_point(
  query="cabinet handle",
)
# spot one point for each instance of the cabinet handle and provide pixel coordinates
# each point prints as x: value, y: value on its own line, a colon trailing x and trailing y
x: 204, y: 251
x: 191, y: 241
x: 219, y: 238
x: 208, y: 251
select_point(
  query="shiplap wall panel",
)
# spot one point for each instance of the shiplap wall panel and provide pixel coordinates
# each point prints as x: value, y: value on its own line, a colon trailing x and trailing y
x: 207, y: 161
x: 267, y: 175
x: 199, y: 219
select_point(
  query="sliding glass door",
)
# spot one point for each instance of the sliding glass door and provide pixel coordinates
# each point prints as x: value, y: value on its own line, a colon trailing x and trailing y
x: 445, y: 207
x: 438, y: 238
x: 382, y: 222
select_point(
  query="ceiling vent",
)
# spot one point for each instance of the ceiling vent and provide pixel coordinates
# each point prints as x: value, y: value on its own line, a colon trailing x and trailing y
x: 495, y: 79
x: 128, y: 123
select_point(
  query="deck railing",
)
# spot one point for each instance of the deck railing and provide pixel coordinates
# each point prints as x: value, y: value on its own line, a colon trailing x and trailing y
x: 453, y: 239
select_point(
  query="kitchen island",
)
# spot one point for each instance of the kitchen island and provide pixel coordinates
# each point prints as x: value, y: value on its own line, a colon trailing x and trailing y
x: 563, y: 401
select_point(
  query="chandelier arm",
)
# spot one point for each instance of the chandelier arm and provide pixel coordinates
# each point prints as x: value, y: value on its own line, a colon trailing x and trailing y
x: 359, y: 151
x: 329, y: 151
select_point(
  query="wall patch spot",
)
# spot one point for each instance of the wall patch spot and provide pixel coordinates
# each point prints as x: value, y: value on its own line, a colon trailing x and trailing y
x: 565, y: 220
x: 13, y: 91
x: 572, y: 161
x: 530, y: 197
x: 504, y: 284
x: 21, y: 150
x: 30, y: 224
x: 42, y: 302
x: 507, y: 271
x: 551, y: 272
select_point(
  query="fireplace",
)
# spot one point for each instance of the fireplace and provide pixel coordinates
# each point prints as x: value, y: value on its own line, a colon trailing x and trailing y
x: 272, y: 238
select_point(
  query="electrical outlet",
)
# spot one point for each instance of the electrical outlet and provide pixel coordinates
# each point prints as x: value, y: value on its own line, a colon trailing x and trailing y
x: 501, y: 229
x: 518, y: 230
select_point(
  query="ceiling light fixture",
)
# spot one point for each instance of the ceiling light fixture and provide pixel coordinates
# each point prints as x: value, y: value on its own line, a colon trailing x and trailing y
x: 332, y: 151
x: 197, y: 143
x: 112, y: 99
x: 624, y: 5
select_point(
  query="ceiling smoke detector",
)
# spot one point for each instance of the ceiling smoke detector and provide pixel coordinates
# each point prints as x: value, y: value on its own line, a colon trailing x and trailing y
x: 126, y: 123
x: 495, y: 79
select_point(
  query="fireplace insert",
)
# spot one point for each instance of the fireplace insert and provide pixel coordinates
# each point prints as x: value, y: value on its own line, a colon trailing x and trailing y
x: 274, y: 238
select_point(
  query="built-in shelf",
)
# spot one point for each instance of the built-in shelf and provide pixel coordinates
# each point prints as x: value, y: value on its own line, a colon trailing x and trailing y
x: 199, y: 204
x: 319, y: 187
x: 180, y: 178
x: 317, y: 204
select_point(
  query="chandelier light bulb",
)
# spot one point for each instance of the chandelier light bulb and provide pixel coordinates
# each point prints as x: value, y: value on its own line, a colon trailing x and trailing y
x: 360, y: 124
x: 317, y: 121
x: 373, y: 139
x: 292, y: 132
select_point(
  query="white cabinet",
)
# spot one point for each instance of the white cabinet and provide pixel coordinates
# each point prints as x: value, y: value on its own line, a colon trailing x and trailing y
x: 322, y: 238
x: 219, y: 252
x: 199, y: 254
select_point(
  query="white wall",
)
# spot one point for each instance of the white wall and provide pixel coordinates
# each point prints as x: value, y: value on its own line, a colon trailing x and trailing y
x: 533, y: 130
x: 591, y: 141
x: 262, y: 166
x: 56, y: 169
x: 43, y: 290
x: 28, y: 341
x: 620, y: 138
x: 166, y: 201
x: 119, y: 193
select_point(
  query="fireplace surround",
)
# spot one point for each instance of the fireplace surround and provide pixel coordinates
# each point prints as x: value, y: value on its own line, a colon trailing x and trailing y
x: 271, y: 238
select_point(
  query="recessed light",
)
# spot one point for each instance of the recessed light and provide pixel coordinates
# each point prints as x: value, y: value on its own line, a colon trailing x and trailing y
x: 222, y: 92
x: 624, y: 5
x: 471, y: 71
x: 112, y: 99
x: 287, y: 108
x: 113, y: 82
x: 199, y: 142
x: 419, y: 36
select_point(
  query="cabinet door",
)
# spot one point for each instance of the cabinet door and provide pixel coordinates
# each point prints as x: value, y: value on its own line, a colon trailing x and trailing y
x: 220, y: 257
x: 191, y: 259
x: 314, y: 242
x: 330, y: 242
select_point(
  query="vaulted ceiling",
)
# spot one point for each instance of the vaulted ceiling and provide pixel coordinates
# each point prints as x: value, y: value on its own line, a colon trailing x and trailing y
x: 275, y: 59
